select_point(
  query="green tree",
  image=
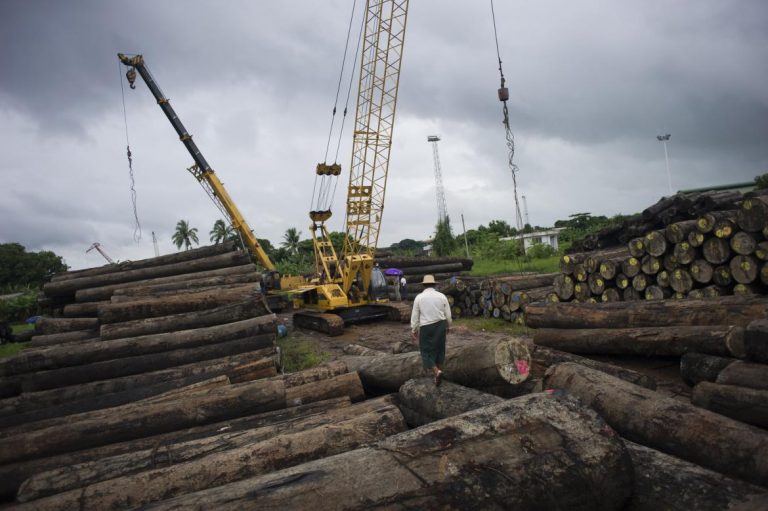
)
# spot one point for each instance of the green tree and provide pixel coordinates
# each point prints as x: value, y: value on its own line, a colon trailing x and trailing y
x: 220, y: 232
x: 291, y: 240
x: 500, y: 227
x: 761, y: 182
x: 184, y: 235
x: 444, y: 243
x: 21, y: 269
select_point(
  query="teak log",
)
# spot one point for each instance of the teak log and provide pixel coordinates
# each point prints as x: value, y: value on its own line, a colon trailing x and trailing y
x: 740, y: 403
x: 752, y: 216
x: 105, y: 292
x: 12, y: 475
x: 348, y: 384
x: 706, y: 222
x: 357, y: 349
x: 476, y: 364
x: 543, y: 358
x: 175, y: 304
x: 727, y: 310
x: 89, y: 352
x: 655, y: 243
x: 222, y: 462
x: 685, y: 253
x: 136, y: 420
x: 701, y: 271
x: 71, y: 286
x: 559, y: 451
x: 82, y: 310
x: 563, y: 286
x: 756, y: 340
x: 422, y: 402
x: 743, y: 243
x: 192, y: 285
x: 107, y: 369
x: 45, y: 325
x: 647, y: 341
x: 716, y: 250
x: 314, y: 374
x: 178, y: 257
x: 744, y: 269
x: 698, y: 367
x: 666, y: 482
x: 679, y: 231
x: 36, y: 400
x: 230, y: 313
x: 744, y: 374
x: 668, y: 424
x: 38, y: 341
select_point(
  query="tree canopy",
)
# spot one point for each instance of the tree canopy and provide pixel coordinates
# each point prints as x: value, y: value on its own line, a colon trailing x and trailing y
x: 20, y: 269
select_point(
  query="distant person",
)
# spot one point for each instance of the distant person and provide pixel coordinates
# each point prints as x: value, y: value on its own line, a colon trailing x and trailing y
x: 430, y: 321
x: 403, y: 290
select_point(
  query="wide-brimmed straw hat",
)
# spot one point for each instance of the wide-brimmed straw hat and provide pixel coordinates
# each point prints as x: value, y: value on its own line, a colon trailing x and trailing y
x: 428, y: 279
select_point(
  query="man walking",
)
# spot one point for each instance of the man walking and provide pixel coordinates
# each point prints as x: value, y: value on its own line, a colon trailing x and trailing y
x: 431, y: 319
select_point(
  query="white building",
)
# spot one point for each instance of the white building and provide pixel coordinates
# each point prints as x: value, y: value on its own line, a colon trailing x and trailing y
x: 548, y: 237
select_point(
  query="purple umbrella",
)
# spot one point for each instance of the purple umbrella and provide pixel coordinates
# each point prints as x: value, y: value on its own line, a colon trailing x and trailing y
x: 393, y: 271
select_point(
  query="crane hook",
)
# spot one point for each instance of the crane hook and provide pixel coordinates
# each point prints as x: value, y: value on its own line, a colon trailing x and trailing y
x: 131, y: 75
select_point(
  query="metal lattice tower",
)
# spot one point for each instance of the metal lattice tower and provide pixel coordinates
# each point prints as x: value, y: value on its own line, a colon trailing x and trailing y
x: 442, y: 208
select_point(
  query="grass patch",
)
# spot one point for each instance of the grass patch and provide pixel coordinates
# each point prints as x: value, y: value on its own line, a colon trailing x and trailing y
x: 298, y: 355
x: 22, y: 327
x: 6, y: 350
x: 481, y: 324
x: 489, y: 267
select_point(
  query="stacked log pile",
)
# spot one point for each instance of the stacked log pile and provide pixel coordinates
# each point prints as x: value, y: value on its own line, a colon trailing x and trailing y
x: 720, y: 253
x: 414, y: 269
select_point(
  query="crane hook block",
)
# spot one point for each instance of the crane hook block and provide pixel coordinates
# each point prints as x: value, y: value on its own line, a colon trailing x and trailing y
x: 131, y: 75
x: 503, y: 94
x: 323, y: 169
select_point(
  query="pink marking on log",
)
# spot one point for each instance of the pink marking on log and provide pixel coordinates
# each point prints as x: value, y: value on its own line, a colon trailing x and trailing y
x: 522, y: 367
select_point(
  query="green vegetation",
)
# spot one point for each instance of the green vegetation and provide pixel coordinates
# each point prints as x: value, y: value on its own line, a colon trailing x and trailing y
x: 21, y: 270
x: 761, y: 182
x: 19, y: 308
x: 18, y: 328
x: 444, y: 243
x: 489, y: 267
x: 298, y: 355
x: 7, y: 350
x: 184, y: 235
x: 481, y: 324
x: 221, y: 232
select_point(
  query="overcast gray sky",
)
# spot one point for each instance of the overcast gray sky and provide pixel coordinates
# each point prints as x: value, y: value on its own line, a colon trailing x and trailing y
x: 591, y: 82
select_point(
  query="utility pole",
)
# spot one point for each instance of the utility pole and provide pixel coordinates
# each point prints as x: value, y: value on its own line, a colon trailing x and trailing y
x: 464, y: 228
x: 664, y: 139
x: 154, y: 242
x: 525, y: 211
x: 442, y: 208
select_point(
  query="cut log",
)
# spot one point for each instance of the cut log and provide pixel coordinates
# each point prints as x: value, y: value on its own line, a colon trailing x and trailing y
x: 650, y: 265
x: 585, y: 468
x: 644, y: 416
x: 82, y: 310
x: 640, y: 282
x: 581, y: 291
x: 124, y: 294
x: 476, y: 364
x: 137, y: 420
x: 761, y: 251
x: 233, y: 464
x: 727, y: 310
x: 752, y: 216
x: 347, y: 384
x: 631, y: 294
x: 715, y: 291
x: 36, y: 400
x: 422, y: 402
x: 670, y: 262
x: 706, y: 222
x: 716, y: 250
x: 701, y: 271
x: 568, y: 262
x: 543, y: 358
x: 563, y: 285
x: 90, y: 352
x: 740, y: 403
x: 12, y: 475
x: 55, y: 378
x: 609, y: 269
x: 756, y: 340
x: 696, y: 239
x: 698, y: 367
x: 105, y: 292
x: 679, y: 231
x: 655, y: 243
x: 744, y: 374
x: 630, y: 267
x: 403, y: 262
x: 681, y: 281
x: 654, y: 292
x: 174, y: 304
x: 178, y: 257
x: 744, y: 269
x: 357, y: 349
x: 622, y: 281
x: 684, y: 253
x: 610, y: 295
x: 70, y: 286
x: 727, y: 341
x: 666, y: 482
x: 238, y: 311
x: 743, y: 243
x: 39, y: 341
x: 764, y: 273
x: 721, y: 276
x: 724, y: 228
x: 596, y: 284
x: 636, y: 247
x: 662, y: 279
x: 45, y: 325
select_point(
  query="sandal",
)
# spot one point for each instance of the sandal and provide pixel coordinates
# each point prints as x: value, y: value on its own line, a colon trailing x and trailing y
x: 438, y: 378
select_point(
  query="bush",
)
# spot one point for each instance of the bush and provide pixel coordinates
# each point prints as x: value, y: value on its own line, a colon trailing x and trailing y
x: 540, y: 251
x: 19, y: 308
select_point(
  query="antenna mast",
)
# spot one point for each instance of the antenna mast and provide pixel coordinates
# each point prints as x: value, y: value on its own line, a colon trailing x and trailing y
x: 442, y: 208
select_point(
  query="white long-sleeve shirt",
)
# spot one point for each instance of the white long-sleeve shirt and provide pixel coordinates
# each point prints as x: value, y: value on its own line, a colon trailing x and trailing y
x: 430, y: 306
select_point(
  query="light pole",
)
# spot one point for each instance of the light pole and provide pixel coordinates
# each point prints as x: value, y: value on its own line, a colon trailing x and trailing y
x: 663, y: 139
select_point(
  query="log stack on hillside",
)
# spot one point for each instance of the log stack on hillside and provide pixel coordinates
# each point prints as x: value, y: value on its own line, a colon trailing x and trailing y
x: 721, y: 252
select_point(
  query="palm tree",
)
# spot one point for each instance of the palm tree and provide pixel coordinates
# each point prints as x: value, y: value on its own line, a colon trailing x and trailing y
x: 291, y: 240
x: 220, y: 232
x: 184, y: 235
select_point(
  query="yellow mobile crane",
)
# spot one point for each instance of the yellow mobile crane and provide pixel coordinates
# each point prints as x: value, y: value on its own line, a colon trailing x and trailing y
x: 349, y: 287
x: 271, y: 278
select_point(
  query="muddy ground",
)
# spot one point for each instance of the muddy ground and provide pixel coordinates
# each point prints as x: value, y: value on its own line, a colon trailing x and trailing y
x: 383, y: 336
